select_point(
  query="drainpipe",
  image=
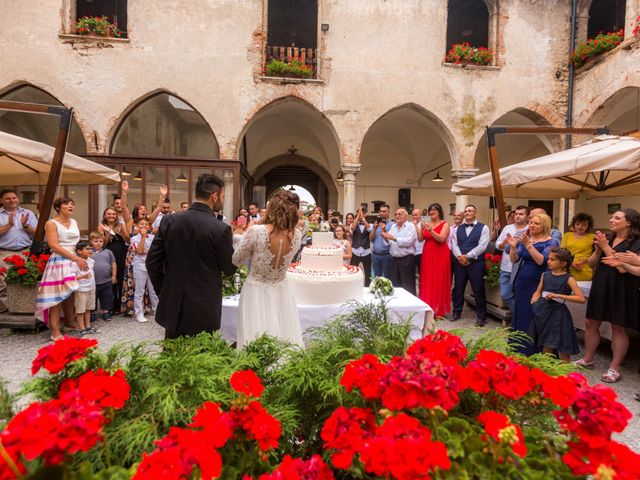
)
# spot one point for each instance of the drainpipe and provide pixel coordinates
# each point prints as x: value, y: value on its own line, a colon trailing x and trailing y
x: 572, y: 74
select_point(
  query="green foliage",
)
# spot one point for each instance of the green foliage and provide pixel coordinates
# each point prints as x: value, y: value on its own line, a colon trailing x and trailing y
x: 232, y: 284
x: 595, y: 46
x: 292, y: 67
x: 6, y: 404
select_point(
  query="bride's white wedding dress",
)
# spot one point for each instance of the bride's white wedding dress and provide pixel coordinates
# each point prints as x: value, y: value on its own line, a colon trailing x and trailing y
x: 267, y: 303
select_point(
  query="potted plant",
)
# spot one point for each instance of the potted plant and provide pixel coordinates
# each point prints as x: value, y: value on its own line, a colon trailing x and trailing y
x: 291, y: 67
x: 603, y: 42
x: 464, y: 53
x: 492, y: 279
x: 22, y: 276
x: 96, y: 26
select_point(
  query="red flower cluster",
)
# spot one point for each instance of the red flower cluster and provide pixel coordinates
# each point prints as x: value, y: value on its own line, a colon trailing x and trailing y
x: 401, y: 447
x: 184, y: 449
x: 501, y: 430
x: 71, y: 423
x: 24, y: 269
x: 54, y: 429
x: 297, y: 469
x: 594, y: 414
x: 492, y: 258
x: 247, y: 382
x: 494, y: 371
x: 99, y: 387
x: 56, y: 356
x: 611, y: 460
x: 427, y: 376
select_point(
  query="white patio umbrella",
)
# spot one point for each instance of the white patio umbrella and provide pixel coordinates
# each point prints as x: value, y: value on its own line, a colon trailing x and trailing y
x: 25, y: 162
x: 606, y: 166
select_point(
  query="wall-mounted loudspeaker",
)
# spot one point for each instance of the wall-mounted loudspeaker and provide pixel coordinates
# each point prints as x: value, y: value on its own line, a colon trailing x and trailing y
x: 404, y: 197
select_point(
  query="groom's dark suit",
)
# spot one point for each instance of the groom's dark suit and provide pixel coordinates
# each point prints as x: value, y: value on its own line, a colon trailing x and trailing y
x: 184, y: 263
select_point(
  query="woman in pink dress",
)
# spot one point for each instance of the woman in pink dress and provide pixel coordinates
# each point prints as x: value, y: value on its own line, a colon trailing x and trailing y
x: 435, y: 268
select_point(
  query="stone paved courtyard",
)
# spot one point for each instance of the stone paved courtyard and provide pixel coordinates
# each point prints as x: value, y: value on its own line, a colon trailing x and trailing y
x: 17, y: 350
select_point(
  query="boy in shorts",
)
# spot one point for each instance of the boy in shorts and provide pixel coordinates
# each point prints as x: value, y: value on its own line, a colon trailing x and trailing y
x: 85, y: 296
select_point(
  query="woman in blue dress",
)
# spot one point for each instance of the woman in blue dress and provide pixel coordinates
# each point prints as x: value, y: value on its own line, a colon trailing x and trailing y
x: 532, y: 249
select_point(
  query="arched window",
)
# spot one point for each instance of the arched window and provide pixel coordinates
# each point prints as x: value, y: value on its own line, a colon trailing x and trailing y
x: 41, y: 128
x: 164, y: 125
x: 114, y: 10
x: 468, y: 21
x: 606, y: 16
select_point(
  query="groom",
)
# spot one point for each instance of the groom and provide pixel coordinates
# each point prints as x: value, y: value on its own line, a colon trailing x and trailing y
x: 185, y: 260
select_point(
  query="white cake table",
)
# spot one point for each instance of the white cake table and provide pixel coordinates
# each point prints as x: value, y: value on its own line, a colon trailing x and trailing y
x: 579, y: 311
x: 401, y: 305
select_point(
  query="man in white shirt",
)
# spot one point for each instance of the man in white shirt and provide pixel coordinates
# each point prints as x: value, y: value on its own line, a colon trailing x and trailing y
x: 469, y: 245
x: 17, y: 226
x: 519, y: 226
x: 402, y: 240
x: 165, y: 209
x: 416, y: 217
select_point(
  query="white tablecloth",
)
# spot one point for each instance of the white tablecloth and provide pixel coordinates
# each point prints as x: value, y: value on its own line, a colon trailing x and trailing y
x: 579, y: 311
x: 401, y: 305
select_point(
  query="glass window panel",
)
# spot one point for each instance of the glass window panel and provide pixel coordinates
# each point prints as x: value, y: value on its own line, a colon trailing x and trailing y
x: 80, y: 195
x: 29, y: 196
x: 166, y: 126
x: 155, y: 177
x: 135, y: 179
x: 178, y: 186
x: 41, y: 128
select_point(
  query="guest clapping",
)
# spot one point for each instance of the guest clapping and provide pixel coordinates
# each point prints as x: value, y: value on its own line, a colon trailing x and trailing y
x: 614, y: 293
x: 580, y: 243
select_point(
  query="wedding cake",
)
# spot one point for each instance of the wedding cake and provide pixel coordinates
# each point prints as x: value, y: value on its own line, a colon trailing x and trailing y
x: 321, y: 278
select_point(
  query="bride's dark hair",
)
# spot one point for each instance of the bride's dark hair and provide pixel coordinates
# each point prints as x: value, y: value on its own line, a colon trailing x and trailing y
x: 282, y: 211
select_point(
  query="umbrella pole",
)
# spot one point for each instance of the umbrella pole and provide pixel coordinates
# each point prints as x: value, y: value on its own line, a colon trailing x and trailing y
x: 54, y: 176
x: 495, y: 175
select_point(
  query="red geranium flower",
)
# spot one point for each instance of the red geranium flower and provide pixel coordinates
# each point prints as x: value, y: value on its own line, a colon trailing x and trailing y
x: 247, y: 382
x: 501, y: 430
x: 297, y: 469
x: 258, y: 424
x: 22, y: 271
x: 56, y: 356
x: 345, y: 431
x: 366, y: 375
x: 100, y: 387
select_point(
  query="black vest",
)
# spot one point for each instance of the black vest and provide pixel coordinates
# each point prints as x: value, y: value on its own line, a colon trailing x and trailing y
x: 468, y: 243
x: 360, y: 240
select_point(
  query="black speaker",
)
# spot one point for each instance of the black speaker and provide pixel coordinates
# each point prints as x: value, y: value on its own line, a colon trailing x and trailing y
x: 404, y: 197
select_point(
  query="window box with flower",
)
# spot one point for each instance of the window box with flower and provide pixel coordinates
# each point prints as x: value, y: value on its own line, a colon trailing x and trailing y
x: 22, y: 275
x: 97, y: 27
x: 593, y: 47
x: 465, y: 54
x: 293, y: 67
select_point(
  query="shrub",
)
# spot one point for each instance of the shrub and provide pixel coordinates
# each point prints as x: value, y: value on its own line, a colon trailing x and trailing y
x: 24, y: 269
x: 99, y: 26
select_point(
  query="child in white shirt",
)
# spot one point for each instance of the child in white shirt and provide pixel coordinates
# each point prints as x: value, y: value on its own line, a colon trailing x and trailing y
x: 85, y: 296
x: 140, y: 244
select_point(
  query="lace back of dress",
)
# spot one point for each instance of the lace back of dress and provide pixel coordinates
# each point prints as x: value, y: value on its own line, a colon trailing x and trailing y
x: 278, y: 256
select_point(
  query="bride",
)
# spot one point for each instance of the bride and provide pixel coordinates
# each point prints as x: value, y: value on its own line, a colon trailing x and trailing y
x: 267, y: 304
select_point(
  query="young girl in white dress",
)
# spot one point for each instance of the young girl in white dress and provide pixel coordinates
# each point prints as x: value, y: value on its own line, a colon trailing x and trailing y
x: 343, y: 243
x: 267, y: 303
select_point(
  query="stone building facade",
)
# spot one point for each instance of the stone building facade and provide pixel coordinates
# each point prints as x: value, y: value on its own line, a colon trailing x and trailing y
x: 187, y: 91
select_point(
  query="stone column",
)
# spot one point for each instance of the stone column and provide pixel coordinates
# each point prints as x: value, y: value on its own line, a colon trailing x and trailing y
x: 228, y: 208
x: 459, y: 175
x: 349, y: 188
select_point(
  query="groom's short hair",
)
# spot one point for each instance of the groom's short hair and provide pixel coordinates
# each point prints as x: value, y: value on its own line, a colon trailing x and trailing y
x: 208, y: 184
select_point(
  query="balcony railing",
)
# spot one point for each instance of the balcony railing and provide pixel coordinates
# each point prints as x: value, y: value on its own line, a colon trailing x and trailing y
x: 303, y: 61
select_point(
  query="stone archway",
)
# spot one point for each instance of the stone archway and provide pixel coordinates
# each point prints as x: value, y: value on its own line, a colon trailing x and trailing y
x: 298, y: 170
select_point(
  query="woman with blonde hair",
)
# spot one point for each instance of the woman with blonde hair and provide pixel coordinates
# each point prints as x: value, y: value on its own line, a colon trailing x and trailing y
x: 267, y: 303
x: 531, y: 248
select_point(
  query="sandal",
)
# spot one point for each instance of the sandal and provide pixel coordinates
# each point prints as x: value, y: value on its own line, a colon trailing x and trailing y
x: 585, y: 365
x: 55, y: 339
x: 611, y: 376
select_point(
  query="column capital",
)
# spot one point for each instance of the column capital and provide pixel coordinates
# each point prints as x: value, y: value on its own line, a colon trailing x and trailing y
x: 350, y: 168
x: 462, y: 173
